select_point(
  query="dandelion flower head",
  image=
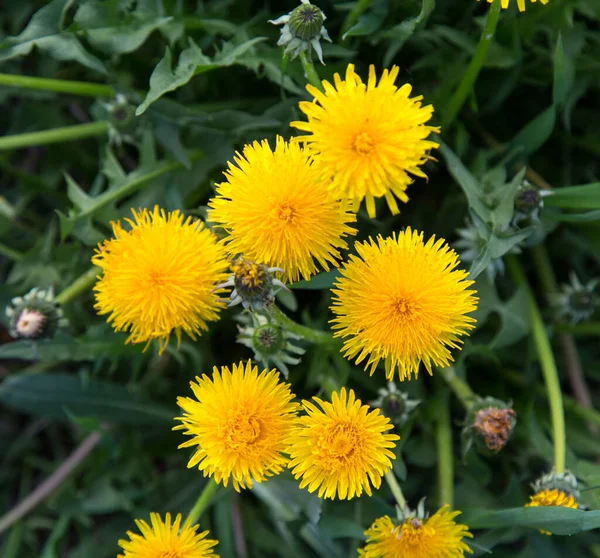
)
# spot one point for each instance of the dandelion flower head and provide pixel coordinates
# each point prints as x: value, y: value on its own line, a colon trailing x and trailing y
x: 435, y: 537
x: 279, y: 212
x: 163, y: 539
x: 238, y: 421
x: 520, y: 3
x: 403, y: 301
x: 159, y: 272
x: 341, y: 448
x: 368, y: 139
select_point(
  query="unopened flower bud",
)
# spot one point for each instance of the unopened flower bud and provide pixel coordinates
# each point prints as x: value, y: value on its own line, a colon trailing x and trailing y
x: 576, y: 302
x: 395, y: 404
x: 529, y: 201
x: 490, y: 423
x: 254, y: 285
x: 302, y: 30
x: 270, y: 343
x: 34, y: 315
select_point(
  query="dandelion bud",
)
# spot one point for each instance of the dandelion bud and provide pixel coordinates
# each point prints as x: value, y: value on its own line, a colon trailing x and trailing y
x: 122, y: 120
x: 555, y: 489
x: 395, y: 404
x: 35, y: 315
x: 529, y: 201
x: 302, y: 30
x: 306, y: 22
x: 254, y: 285
x: 492, y: 421
x: 269, y: 342
x: 576, y: 302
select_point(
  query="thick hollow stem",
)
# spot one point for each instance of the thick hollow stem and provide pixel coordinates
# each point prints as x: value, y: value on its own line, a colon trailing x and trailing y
x: 461, y: 389
x: 81, y: 284
x: 57, y: 85
x: 311, y: 335
x: 203, y: 500
x: 311, y: 72
x: 444, y: 452
x: 548, y: 365
x: 395, y: 488
x: 470, y: 76
x: 45, y: 137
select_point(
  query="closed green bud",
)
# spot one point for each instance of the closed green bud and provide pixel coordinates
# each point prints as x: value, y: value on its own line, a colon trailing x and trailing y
x: 306, y: 22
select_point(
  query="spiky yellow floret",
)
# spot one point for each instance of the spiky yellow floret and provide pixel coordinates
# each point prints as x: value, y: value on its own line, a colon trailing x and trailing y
x: 402, y: 300
x: 158, y: 276
x: 520, y: 3
x: 279, y: 212
x: 162, y: 539
x: 341, y: 448
x: 367, y: 139
x: 435, y: 537
x: 238, y: 421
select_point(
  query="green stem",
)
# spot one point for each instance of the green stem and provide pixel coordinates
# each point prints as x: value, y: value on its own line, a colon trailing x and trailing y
x: 57, y: 85
x: 311, y: 335
x: 310, y: 71
x: 203, y: 500
x: 571, y: 405
x: 395, y: 488
x: 461, y: 389
x: 547, y: 364
x: 357, y: 10
x: 444, y: 451
x: 44, y: 137
x: 10, y: 253
x: 81, y: 284
x: 470, y: 76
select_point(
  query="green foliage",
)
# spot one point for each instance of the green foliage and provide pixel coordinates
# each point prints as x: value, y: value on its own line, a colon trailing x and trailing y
x: 198, y: 80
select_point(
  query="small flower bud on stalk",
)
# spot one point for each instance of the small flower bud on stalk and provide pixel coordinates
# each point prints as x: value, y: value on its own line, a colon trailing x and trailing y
x: 254, y: 285
x: 492, y: 421
x: 395, y: 404
x: 269, y: 342
x: 529, y: 201
x: 303, y: 28
x: 35, y: 315
x: 577, y: 301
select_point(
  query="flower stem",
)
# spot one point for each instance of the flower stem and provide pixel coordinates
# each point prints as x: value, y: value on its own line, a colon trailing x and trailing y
x: 82, y: 283
x: 588, y: 328
x: 203, y: 500
x: 311, y: 335
x: 57, y: 85
x: 547, y: 364
x: 461, y: 389
x: 395, y: 488
x: 444, y: 450
x: 44, y: 137
x: 310, y: 71
x: 468, y: 80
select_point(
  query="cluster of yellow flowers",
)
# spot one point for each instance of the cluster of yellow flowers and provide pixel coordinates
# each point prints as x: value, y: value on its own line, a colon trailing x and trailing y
x: 400, y: 299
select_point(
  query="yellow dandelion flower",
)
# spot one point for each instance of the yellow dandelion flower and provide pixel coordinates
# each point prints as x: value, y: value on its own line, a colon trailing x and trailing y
x: 368, y: 139
x: 552, y: 497
x: 277, y: 212
x: 520, y: 3
x: 239, y: 421
x: 435, y: 537
x: 158, y: 277
x: 402, y: 301
x: 341, y: 448
x: 162, y: 539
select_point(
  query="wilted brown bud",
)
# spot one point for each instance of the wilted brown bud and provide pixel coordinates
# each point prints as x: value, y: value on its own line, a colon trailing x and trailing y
x: 494, y: 426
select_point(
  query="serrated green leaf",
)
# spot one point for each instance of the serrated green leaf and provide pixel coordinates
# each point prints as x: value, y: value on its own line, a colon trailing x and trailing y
x: 369, y: 22
x: 44, y: 33
x: 48, y: 395
x: 192, y: 62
